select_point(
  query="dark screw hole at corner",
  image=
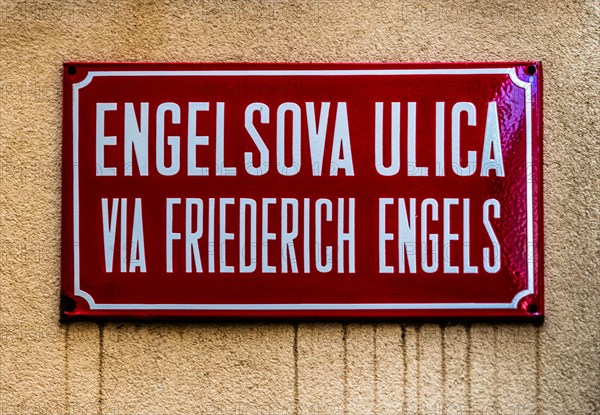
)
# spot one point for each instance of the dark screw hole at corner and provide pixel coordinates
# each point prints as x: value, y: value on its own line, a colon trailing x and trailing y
x: 532, y: 308
x: 67, y: 304
x: 531, y: 69
x: 71, y: 70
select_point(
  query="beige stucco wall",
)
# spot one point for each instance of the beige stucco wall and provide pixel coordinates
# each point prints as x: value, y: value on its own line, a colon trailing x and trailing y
x: 306, y: 368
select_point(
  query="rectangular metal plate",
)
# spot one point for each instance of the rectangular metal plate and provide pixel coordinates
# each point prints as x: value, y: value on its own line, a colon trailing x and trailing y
x: 302, y: 190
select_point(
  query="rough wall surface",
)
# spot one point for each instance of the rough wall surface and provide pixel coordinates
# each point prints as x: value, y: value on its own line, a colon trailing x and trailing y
x: 306, y: 368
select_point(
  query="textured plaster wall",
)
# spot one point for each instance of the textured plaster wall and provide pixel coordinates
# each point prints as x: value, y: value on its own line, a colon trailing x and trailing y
x: 307, y: 368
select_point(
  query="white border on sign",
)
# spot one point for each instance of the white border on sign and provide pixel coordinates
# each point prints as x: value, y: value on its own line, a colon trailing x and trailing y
x: 309, y: 306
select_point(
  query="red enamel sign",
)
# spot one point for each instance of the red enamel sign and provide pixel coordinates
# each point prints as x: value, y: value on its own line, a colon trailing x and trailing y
x: 302, y: 190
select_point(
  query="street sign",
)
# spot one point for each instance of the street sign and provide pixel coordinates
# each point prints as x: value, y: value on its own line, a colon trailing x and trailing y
x: 302, y: 190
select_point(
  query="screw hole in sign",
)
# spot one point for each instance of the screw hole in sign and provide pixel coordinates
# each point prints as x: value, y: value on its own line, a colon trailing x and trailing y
x: 531, y: 69
x: 67, y: 303
x: 71, y: 70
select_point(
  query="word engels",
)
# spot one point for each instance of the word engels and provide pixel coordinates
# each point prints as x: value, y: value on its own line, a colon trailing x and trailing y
x: 169, y: 147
